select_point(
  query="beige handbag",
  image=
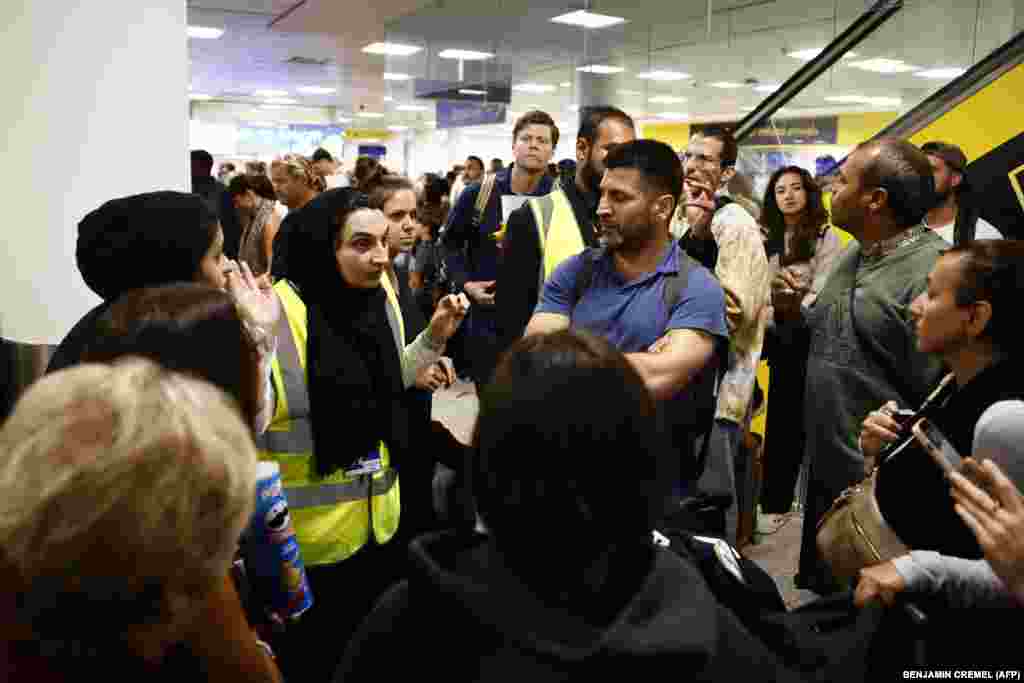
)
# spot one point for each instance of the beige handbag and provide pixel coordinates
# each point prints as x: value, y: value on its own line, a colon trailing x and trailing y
x: 853, y: 535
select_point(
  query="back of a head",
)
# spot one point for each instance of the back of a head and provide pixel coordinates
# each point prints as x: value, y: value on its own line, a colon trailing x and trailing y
x: 591, y: 119
x: 188, y: 328
x: 572, y: 402
x: 144, y: 240
x: 993, y: 271
x: 300, y: 168
x: 123, y: 491
x: 322, y: 154
x: 259, y: 184
x: 367, y: 174
x: 658, y: 164
x: 903, y: 171
x: 202, y: 162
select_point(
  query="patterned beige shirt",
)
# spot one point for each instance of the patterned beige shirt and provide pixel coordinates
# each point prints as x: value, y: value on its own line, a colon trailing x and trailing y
x: 742, y: 270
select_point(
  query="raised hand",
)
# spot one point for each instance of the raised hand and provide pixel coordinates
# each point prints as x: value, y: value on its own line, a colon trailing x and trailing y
x: 256, y: 302
x: 448, y: 316
x: 995, y: 513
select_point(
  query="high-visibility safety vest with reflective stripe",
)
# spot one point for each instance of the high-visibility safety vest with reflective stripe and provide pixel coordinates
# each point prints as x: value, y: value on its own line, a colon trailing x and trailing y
x: 332, y: 516
x: 557, y: 232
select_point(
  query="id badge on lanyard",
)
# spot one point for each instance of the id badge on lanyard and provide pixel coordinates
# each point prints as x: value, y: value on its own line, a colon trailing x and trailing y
x: 368, y: 464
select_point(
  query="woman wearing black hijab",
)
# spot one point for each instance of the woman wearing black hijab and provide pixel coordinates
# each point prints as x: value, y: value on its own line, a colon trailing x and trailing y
x: 358, y: 369
x: 145, y: 240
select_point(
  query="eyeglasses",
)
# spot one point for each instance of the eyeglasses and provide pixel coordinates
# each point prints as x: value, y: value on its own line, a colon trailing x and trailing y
x: 702, y: 159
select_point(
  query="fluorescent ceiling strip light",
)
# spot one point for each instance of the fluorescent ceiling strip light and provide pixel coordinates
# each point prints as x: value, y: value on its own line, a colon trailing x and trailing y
x: 600, y: 69
x: 533, y: 87
x: 465, y: 55
x: 391, y: 49
x: 587, y: 19
x: 565, y: 84
x: 389, y: 76
x: 205, y: 32
x: 370, y: 115
x: 316, y: 90
x: 725, y: 85
x: 941, y: 74
x: 664, y: 75
x: 809, y: 54
x: 470, y: 91
x: 883, y: 66
x: 767, y: 87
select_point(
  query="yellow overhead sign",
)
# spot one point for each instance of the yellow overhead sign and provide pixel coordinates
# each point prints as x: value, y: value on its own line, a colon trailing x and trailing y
x: 368, y: 134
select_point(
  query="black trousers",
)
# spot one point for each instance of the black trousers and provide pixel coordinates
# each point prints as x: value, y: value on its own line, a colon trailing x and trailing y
x: 785, y: 437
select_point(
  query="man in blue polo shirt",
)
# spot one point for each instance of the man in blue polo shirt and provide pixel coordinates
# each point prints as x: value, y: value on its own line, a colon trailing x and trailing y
x: 625, y: 299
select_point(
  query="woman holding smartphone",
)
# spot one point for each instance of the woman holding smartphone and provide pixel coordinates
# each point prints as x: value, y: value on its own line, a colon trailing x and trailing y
x: 966, y: 316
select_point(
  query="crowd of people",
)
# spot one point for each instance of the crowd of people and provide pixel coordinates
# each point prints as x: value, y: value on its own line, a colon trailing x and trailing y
x: 612, y: 312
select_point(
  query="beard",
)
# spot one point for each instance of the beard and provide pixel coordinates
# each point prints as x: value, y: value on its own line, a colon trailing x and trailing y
x: 592, y: 174
x: 626, y: 237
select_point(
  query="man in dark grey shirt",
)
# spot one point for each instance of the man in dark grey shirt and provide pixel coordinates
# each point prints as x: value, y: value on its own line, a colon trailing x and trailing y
x: 863, y: 351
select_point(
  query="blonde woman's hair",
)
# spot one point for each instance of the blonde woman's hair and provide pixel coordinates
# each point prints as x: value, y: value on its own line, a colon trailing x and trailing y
x: 301, y: 168
x: 123, y: 490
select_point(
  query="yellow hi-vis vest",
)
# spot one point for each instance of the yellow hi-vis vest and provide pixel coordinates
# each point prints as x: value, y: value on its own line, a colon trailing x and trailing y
x: 557, y: 232
x: 332, y: 516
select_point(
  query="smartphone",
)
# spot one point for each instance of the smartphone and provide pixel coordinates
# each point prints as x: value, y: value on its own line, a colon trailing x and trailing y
x: 903, y: 416
x: 937, y: 445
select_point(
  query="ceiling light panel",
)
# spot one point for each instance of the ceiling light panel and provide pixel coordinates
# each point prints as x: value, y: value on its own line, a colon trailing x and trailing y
x: 664, y: 76
x: 725, y: 85
x: 533, y: 87
x: 883, y: 66
x: 205, y: 32
x: 390, y: 76
x: 941, y: 74
x: 600, y: 69
x: 470, y: 91
x: 391, y: 49
x: 465, y: 55
x: 587, y: 19
x: 808, y: 55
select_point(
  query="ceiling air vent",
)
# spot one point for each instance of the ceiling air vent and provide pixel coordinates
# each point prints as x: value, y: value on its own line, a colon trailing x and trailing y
x: 308, y: 61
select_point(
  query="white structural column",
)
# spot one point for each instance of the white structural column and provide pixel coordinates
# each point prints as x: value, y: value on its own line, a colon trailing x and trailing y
x: 96, y: 107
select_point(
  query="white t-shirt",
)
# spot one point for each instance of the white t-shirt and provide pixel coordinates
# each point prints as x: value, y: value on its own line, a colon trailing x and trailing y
x: 982, y: 231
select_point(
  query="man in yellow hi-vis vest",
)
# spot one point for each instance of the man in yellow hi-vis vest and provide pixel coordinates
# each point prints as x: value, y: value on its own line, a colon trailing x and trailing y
x: 547, y: 230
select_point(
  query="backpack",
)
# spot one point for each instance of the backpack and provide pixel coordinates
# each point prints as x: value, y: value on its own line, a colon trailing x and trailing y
x: 702, y: 393
x: 447, y: 249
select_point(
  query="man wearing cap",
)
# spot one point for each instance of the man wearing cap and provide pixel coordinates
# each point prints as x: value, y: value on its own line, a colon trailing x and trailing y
x: 956, y: 215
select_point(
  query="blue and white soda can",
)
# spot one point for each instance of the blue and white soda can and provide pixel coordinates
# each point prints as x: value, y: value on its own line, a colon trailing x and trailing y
x: 272, y: 551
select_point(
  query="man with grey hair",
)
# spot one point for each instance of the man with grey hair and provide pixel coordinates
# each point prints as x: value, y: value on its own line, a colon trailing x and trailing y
x: 123, y: 492
x: 863, y: 350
